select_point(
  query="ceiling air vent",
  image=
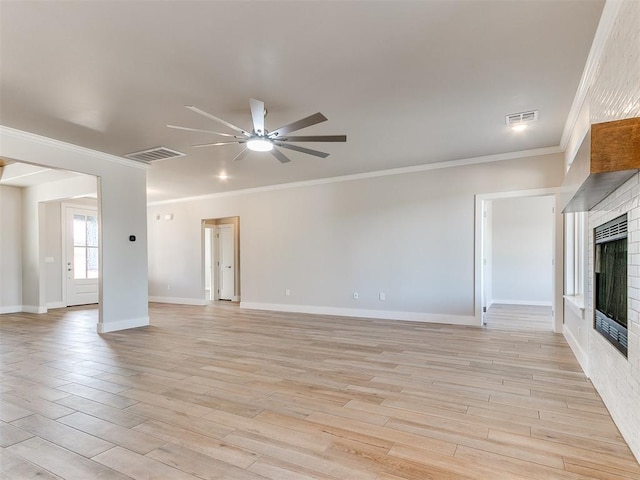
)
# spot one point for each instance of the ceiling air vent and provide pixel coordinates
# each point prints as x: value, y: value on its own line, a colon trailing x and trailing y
x: 520, y: 118
x: 155, y: 154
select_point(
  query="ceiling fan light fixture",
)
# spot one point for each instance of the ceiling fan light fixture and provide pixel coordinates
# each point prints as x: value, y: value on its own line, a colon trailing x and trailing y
x: 260, y: 139
x: 260, y: 145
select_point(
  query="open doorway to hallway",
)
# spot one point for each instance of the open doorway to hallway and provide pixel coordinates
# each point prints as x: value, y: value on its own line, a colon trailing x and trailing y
x: 221, y: 259
x: 518, y: 261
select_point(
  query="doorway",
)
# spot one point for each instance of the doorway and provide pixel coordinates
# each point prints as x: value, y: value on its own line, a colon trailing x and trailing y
x: 516, y: 252
x: 221, y: 266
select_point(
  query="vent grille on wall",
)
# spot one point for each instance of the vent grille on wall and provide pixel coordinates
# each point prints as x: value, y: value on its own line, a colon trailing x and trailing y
x: 612, y: 230
x: 523, y: 117
x: 613, y: 332
x: 155, y: 154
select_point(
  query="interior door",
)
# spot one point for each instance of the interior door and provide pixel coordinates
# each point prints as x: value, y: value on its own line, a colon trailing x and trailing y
x: 226, y: 267
x: 82, y: 269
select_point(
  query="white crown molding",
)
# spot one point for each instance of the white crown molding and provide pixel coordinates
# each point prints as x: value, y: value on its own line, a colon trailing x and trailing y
x: 50, y: 142
x: 378, y: 173
x: 600, y: 39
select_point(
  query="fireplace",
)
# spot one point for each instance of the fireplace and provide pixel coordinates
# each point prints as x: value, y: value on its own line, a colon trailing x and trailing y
x: 610, y: 282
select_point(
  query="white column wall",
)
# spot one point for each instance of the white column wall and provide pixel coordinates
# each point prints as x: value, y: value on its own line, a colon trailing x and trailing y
x: 122, y: 210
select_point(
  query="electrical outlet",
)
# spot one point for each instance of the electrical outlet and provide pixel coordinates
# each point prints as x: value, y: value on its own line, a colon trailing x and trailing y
x: 355, y: 295
x: 382, y: 296
x: 168, y: 286
x: 287, y: 292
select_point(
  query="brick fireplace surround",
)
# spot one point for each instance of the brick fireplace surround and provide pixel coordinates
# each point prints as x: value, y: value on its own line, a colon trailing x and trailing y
x: 614, y: 94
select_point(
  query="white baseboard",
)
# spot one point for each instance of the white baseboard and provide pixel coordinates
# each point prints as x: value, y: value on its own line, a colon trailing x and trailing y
x: 178, y: 300
x: 32, y: 309
x: 11, y: 309
x: 578, y: 351
x: 534, y: 303
x: 362, y: 313
x: 106, y: 327
x: 56, y: 305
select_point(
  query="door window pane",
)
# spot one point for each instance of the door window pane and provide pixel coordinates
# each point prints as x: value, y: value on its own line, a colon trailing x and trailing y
x: 92, y: 263
x: 92, y: 231
x: 85, y: 250
x: 79, y: 263
x: 79, y: 230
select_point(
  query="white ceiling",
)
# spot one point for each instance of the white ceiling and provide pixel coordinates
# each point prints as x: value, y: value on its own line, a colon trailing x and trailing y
x: 410, y: 83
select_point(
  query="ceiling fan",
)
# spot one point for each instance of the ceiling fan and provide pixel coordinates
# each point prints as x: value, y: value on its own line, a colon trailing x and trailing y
x: 262, y: 140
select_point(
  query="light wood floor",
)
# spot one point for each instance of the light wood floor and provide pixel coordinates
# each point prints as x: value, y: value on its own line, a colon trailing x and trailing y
x: 221, y: 393
x: 519, y: 317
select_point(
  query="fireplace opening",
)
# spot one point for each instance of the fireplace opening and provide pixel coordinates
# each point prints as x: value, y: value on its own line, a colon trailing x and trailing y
x: 610, y: 269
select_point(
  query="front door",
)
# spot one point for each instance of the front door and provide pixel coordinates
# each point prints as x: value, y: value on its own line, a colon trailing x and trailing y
x: 81, y: 266
x: 226, y: 267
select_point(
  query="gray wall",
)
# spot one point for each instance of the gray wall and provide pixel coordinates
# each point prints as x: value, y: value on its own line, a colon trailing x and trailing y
x: 53, y: 251
x: 410, y: 236
x: 522, y: 250
x: 10, y: 249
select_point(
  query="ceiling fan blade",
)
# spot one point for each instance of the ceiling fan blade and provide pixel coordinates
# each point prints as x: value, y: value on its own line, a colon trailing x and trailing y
x: 282, y: 158
x: 241, y: 155
x: 216, y: 119
x: 299, y: 125
x: 218, y: 143
x: 314, y: 138
x: 198, y: 130
x: 302, y: 149
x: 257, y: 114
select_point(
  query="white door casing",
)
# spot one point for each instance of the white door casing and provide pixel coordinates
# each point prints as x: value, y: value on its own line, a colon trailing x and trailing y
x: 81, y: 266
x: 557, y: 260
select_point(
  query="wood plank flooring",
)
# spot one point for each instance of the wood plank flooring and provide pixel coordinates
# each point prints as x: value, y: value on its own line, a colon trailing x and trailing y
x: 218, y: 392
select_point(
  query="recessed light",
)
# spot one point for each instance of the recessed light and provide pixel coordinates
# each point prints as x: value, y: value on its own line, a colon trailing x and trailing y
x: 519, y: 127
x: 223, y: 176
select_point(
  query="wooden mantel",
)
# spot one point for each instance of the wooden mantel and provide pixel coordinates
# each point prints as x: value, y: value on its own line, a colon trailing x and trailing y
x: 608, y: 157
